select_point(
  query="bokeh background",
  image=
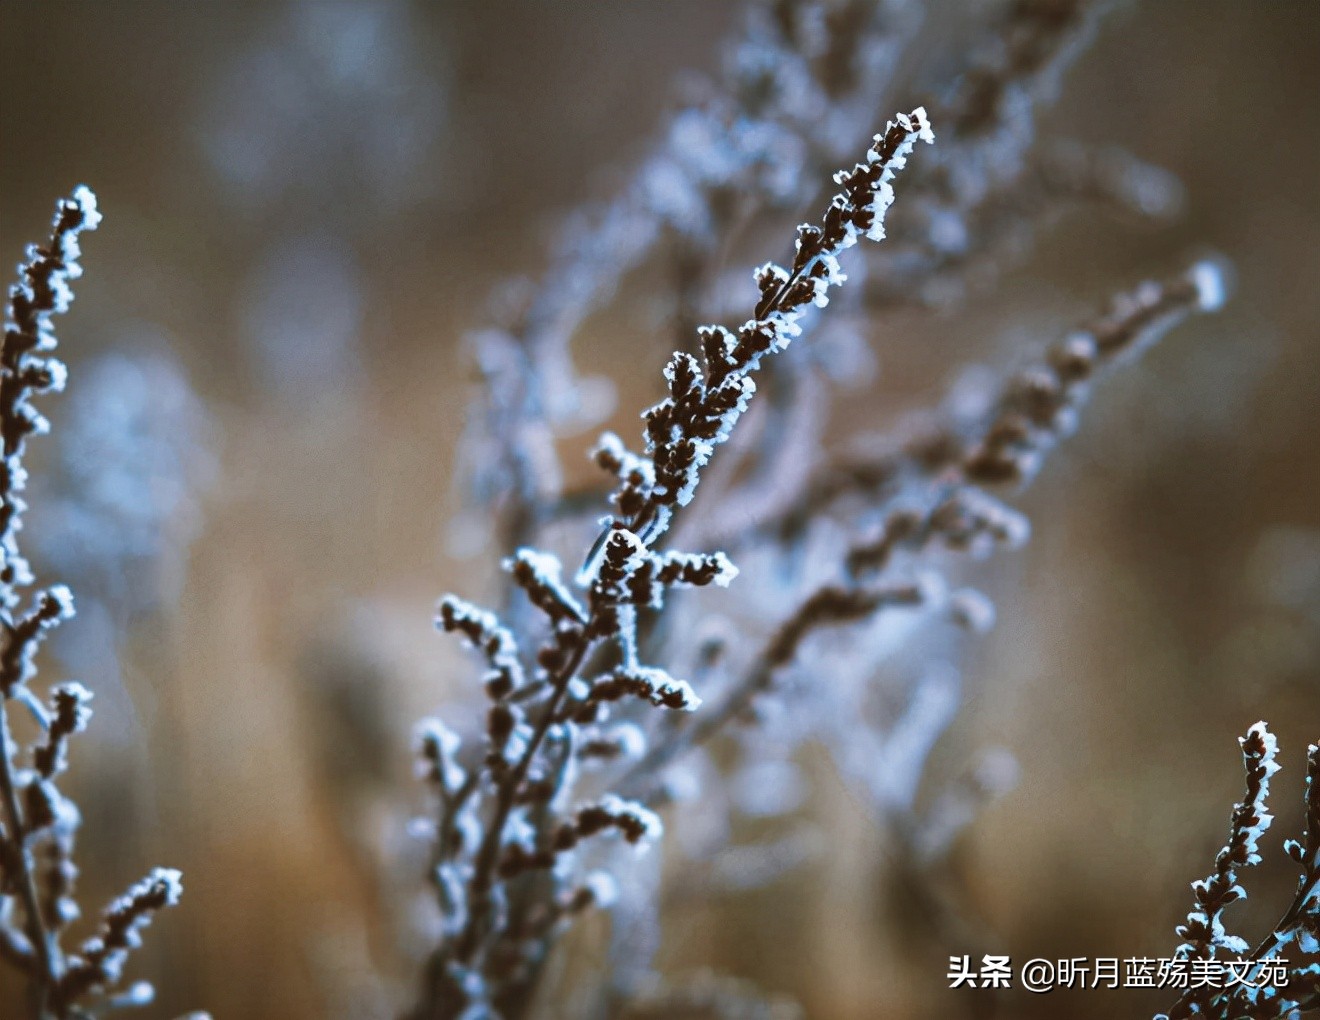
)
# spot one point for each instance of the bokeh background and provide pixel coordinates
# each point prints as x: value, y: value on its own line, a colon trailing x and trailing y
x: 249, y: 485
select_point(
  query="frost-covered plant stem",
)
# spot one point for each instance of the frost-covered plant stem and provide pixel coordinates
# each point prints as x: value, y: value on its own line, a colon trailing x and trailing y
x: 1034, y: 410
x: 42, y: 291
x: 36, y: 815
x: 44, y: 970
x: 1204, y: 935
x: 796, y: 96
x: 468, y: 976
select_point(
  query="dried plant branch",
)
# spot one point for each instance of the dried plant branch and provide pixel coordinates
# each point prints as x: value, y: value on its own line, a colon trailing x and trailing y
x: 1033, y: 411
x: 977, y: 204
x: 37, y: 873
x: 504, y: 833
x: 493, y: 943
x: 797, y: 95
x: 1204, y: 935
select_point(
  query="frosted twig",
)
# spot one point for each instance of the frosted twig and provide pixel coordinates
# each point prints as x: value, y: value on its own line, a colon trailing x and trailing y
x: 1204, y: 935
x: 37, y: 833
x: 488, y: 956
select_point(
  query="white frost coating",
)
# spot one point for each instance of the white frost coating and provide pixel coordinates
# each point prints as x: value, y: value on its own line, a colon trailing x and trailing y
x: 457, y: 613
x: 63, y: 599
x: 516, y: 744
x: 467, y: 823
x: 620, y: 807
x: 172, y: 881
x: 73, y: 689
x: 770, y: 276
x: 58, y: 374
x: 746, y: 387
x: 679, y: 569
x: 661, y: 688
x: 520, y: 830
x: 621, y: 556
x: 85, y: 197
x: 918, y: 127
x: 452, y: 887
x: 682, y: 359
x: 692, y: 476
x: 140, y: 994
x: 611, y: 450
x: 545, y: 582
x: 604, y: 890
x: 727, y: 570
x: 484, y: 632
x: 1211, y: 285
x: 430, y: 734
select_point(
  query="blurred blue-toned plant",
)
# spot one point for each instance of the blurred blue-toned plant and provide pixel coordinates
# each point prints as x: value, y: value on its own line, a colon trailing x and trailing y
x: 37, y: 872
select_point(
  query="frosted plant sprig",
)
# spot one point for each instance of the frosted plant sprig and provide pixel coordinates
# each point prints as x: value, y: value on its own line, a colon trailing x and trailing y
x: 501, y: 826
x: 42, y: 292
x: 797, y: 92
x: 1040, y: 405
x: 100, y: 962
x: 37, y: 872
x: 682, y: 431
x: 1030, y: 412
x: 977, y: 206
x: 940, y: 503
x: 1204, y: 934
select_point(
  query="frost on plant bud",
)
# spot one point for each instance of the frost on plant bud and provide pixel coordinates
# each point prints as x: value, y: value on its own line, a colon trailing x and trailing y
x: 696, y: 569
x: 602, y: 889
x: 1212, y: 284
x: 484, y: 632
x: 635, y: 822
x: 655, y: 685
x: 972, y: 610
x: 622, y: 556
x: 50, y: 608
x: 437, y: 749
x: 69, y: 714
x: 540, y: 575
